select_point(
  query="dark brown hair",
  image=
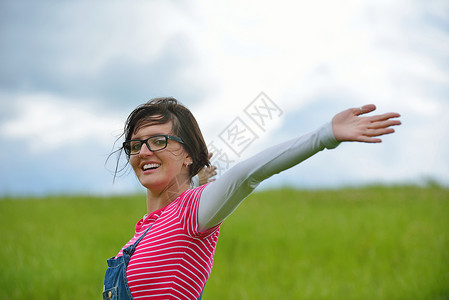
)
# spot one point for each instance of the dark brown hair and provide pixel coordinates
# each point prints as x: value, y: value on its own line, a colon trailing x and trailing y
x: 164, y: 110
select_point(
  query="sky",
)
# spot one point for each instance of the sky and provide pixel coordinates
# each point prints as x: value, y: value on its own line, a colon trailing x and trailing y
x: 72, y: 71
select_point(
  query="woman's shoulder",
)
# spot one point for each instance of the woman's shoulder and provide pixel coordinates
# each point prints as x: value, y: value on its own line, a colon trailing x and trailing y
x: 192, y: 193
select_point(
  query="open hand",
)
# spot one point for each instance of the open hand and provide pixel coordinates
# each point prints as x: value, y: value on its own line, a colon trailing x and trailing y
x: 349, y: 126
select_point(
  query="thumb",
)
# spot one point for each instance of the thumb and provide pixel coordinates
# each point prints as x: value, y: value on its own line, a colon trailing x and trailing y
x: 364, y: 109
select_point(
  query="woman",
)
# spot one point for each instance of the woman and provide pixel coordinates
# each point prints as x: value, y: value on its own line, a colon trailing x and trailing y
x: 171, y: 253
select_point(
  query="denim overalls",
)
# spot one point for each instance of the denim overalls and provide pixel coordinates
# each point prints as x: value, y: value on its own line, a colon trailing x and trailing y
x: 115, y: 283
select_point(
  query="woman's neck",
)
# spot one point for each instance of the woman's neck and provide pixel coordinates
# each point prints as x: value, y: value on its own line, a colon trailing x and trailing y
x: 159, y: 199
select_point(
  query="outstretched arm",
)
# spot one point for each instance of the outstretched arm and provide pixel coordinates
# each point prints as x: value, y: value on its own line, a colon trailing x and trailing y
x: 221, y: 197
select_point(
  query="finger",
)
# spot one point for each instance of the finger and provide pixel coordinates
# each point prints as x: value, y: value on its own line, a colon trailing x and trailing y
x: 372, y: 140
x: 364, y: 109
x: 379, y: 132
x: 384, y: 117
x: 209, y: 155
x: 211, y: 171
x: 384, y: 124
x: 368, y: 139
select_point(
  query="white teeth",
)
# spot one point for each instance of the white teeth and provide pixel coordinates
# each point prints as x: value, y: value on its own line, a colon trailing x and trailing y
x: 150, y: 166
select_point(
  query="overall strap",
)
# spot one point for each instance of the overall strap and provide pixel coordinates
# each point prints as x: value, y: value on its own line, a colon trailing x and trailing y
x: 142, y: 236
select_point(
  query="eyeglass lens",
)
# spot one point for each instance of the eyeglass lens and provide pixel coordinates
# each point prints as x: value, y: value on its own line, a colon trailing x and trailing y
x: 155, y: 143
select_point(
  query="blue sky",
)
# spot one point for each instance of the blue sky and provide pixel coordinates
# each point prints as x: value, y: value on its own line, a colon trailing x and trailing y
x: 71, y: 72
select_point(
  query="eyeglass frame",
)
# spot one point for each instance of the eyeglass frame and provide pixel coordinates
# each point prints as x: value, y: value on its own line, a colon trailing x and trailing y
x: 145, y: 141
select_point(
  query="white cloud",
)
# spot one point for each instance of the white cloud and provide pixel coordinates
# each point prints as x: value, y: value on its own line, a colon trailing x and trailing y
x: 378, y: 52
x: 47, y: 122
x: 101, y: 32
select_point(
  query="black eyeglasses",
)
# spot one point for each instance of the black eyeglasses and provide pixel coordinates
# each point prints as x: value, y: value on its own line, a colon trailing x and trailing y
x: 154, y: 143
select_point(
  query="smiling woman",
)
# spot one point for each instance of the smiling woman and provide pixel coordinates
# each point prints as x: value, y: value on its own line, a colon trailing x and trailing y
x: 172, y: 251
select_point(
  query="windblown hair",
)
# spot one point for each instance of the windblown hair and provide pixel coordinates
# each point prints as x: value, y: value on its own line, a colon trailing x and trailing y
x: 164, y: 110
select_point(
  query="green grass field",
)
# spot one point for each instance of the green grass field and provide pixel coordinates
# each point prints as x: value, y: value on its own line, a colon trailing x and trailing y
x: 364, y: 243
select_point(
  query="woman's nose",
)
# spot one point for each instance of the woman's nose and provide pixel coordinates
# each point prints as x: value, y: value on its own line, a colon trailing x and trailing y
x: 144, y: 150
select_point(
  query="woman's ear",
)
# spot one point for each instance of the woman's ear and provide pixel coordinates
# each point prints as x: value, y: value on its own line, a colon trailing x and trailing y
x: 188, y: 160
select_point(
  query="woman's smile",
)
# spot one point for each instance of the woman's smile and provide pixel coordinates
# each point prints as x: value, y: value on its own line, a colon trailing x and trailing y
x: 150, y: 166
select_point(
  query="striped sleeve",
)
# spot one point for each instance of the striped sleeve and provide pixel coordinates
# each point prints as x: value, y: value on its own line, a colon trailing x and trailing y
x: 188, y: 214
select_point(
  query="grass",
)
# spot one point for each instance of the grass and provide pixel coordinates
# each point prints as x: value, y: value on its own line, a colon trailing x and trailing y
x: 365, y: 243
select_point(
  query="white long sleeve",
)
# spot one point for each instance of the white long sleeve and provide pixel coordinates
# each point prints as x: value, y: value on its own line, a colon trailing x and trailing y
x: 221, y: 197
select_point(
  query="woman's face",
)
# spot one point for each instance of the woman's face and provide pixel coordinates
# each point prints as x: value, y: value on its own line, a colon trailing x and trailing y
x: 163, y: 169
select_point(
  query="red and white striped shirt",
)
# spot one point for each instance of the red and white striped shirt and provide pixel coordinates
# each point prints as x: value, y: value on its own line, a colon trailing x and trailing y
x: 173, y: 260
